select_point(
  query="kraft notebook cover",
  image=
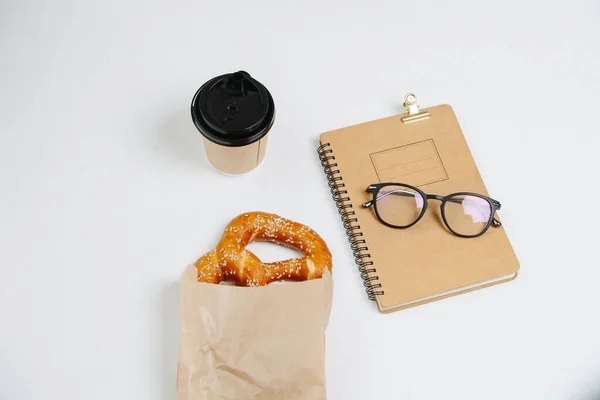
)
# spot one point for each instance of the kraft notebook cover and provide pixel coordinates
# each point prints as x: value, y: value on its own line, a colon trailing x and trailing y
x: 426, y: 262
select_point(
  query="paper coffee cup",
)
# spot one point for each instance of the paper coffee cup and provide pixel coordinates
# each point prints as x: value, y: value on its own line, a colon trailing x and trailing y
x: 234, y: 112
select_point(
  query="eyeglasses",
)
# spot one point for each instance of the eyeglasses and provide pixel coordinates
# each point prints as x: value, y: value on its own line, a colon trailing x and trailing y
x: 465, y: 214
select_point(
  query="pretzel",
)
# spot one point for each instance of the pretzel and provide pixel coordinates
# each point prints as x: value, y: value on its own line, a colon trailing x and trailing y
x: 230, y: 260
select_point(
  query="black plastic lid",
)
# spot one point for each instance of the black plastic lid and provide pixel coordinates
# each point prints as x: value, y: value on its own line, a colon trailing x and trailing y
x: 233, y: 109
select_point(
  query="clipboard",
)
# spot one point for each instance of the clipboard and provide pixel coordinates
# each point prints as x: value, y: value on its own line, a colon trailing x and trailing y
x: 425, y: 148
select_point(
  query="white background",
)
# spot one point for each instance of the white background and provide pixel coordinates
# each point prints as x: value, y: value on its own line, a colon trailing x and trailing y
x: 105, y: 193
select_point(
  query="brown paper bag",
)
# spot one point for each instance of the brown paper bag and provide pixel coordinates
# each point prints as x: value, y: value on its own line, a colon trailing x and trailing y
x: 259, y: 343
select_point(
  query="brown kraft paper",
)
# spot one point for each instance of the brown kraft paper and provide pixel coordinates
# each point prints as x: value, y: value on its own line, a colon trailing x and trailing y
x: 253, y: 343
x: 236, y: 160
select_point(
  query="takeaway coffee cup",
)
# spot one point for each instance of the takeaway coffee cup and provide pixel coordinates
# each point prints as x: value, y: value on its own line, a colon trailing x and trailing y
x: 234, y: 112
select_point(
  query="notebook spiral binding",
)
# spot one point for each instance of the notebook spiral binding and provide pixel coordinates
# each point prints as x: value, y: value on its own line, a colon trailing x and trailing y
x: 358, y: 246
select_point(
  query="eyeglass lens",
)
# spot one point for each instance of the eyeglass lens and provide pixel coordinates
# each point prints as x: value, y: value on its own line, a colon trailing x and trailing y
x: 399, y: 205
x: 467, y: 215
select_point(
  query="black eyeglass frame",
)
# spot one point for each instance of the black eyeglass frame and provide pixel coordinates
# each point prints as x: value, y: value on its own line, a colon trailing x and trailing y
x: 494, y: 206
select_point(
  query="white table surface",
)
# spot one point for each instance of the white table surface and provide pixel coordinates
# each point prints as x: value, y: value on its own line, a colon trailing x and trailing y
x: 105, y: 193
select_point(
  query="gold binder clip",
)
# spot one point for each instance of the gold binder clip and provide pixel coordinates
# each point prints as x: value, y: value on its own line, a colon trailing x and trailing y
x: 410, y: 105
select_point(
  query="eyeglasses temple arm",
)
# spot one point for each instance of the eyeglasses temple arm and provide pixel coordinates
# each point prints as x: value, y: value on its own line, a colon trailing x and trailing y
x: 397, y: 192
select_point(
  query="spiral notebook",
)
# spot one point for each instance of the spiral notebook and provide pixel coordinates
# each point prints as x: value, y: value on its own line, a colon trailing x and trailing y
x: 407, y: 267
